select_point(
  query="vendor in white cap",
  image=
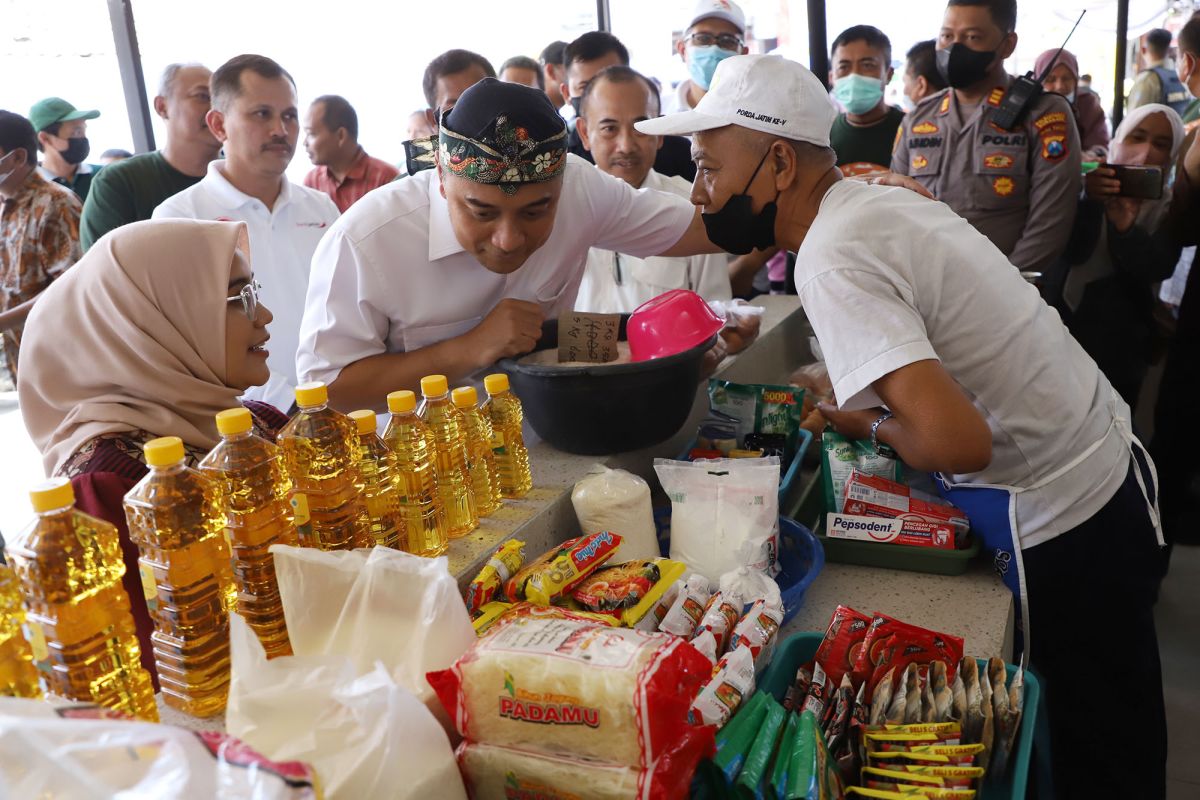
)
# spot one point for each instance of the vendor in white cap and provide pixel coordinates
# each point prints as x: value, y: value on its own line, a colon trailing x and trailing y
x: 940, y: 354
x: 717, y: 32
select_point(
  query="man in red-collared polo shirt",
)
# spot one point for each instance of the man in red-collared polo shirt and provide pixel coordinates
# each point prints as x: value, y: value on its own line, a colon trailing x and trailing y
x: 343, y: 169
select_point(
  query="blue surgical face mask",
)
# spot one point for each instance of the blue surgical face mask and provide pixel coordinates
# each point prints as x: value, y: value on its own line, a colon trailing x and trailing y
x: 702, y: 63
x: 858, y: 94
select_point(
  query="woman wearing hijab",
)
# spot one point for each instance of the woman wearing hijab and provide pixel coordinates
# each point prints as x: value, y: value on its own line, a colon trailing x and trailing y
x: 1110, y: 294
x: 1089, y: 116
x: 155, y: 330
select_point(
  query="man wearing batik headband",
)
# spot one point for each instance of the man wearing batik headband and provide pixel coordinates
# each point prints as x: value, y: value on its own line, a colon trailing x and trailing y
x: 451, y: 269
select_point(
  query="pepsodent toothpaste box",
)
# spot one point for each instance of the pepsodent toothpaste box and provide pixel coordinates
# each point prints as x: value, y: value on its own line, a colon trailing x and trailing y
x: 897, y: 530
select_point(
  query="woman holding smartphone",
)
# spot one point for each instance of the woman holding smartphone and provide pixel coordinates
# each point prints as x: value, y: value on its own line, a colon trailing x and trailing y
x: 1109, y: 292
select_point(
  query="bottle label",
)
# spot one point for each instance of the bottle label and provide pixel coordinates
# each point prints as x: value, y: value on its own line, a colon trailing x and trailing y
x: 149, y: 585
x: 37, y: 641
x: 300, y: 508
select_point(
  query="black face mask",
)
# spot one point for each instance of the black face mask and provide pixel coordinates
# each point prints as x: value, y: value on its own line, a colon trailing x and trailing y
x: 736, y: 228
x: 962, y: 67
x: 77, y: 150
x: 576, y: 102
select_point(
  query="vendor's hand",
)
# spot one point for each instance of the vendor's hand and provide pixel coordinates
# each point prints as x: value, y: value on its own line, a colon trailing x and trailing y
x: 712, y: 359
x: 903, y: 181
x: 1122, y: 212
x: 1101, y: 183
x: 851, y: 424
x: 511, y: 329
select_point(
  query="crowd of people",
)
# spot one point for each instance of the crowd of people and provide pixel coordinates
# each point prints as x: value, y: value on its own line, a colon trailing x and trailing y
x: 571, y: 181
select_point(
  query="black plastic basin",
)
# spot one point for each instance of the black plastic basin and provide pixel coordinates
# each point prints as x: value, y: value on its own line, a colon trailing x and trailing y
x: 606, y: 409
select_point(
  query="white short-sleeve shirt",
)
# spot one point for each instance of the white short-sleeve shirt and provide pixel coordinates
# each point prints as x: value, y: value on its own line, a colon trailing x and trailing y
x: 392, y: 277
x: 889, y: 278
x: 282, y: 242
x: 615, y: 283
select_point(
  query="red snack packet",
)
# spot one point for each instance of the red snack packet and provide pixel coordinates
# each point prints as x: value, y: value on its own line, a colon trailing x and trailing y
x: 913, y: 645
x: 843, y: 642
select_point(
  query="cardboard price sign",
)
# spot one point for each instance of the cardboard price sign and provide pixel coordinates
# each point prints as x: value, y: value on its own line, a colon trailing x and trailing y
x: 588, y: 337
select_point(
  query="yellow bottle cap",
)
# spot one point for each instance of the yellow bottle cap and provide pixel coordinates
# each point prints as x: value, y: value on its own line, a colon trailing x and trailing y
x: 464, y: 397
x: 52, y: 494
x: 496, y: 383
x: 401, y: 402
x: 364, y: 419
x: 164, y: 452
x: 434, y: 385
x: 311, y: 394
x: 233, y: 421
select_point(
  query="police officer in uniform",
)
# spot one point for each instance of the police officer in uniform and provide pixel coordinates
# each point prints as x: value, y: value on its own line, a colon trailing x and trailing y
x: 1017, y: 187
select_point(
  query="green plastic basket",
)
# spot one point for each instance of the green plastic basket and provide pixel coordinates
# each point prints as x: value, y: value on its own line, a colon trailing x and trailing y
x: 801, y: 647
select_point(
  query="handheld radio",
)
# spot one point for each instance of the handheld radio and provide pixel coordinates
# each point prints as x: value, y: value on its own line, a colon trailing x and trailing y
x: 1026, y: 89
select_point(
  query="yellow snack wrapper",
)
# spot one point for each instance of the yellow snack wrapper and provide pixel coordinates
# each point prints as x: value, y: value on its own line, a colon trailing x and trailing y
x: 562, y: 568
x: 489, y: 583
x: 669, y: 571
x: 903, y: 791
x: 488, y: 615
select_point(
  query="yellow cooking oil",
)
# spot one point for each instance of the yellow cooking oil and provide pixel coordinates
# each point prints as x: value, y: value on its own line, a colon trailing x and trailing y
x: 450, y: 447
x: 18, y: 675
x: 485, y: 477
x: 377, y: 465
x: 319, y: 446
x: 411, y: 442
x: 255, y: 497
x: 503, y: 410
x: 175, y: 519
x: 78, y: 618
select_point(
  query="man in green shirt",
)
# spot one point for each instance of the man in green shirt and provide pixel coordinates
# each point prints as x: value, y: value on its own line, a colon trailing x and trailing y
x: 860, y: 68
x: 129, y: 190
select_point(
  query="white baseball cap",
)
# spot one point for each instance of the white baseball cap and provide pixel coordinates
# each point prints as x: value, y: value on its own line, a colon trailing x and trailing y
x: 763, y: 93
x: 720, y: 9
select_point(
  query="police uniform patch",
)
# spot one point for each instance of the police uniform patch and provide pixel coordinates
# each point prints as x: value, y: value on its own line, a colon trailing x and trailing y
x: 945, y: 106
x: 1003, y: 186
x: 1046, y: 120
x: 920, y: 162
x: 896, y: 141
x: 925, y: 127
x: 997, y: 161
x: 995, y: 97
x: 1054, y: 146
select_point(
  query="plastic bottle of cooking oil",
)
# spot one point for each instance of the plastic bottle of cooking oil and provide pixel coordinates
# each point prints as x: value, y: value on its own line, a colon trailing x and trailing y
x: 450, y: 444
x: 319, y: 447
x: 410, y: 440
x: 175, y: 518
x: 504, y: 411
x: 377, y: 465
x: 254, y: 492
x: 18, y: 675
x: 79, y: 623
x: 485, y: 478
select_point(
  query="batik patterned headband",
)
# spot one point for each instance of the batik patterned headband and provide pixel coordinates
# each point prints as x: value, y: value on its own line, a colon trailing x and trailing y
x: 514, y: 159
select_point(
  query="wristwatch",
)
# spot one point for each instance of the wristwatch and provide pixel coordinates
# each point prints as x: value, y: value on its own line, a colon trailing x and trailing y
x: 885, y: 450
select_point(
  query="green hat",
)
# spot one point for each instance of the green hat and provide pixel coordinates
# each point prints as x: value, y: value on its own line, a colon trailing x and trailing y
x: 54, y: 109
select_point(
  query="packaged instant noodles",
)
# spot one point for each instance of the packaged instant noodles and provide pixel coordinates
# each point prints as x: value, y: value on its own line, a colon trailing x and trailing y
x: 733, y: 680
x: 706, y: 643
x: 757, y: 630
x: 617, y: 587
x: 563, y: 568
x: 682, y: 618
x: 575, y: 688
x: 489, y: 583
x: 721, y: 616
x: 669, y: 573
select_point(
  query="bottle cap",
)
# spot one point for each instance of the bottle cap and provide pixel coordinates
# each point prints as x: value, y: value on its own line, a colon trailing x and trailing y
x: 401, y: 402
x: 311, y: 394
x: 496, y: 383
x: 434, y: 385
x: 464, y: 397
x: 233, y: 421
x: 364, y: 420
x: 52, y: 494
x: 164, y: 452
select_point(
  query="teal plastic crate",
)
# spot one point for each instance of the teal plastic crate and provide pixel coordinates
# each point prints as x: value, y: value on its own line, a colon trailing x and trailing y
x: 801, y: 647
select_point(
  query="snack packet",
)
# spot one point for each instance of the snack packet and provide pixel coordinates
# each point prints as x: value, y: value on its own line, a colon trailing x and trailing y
x: 973, y: 722
x: 912, y: 700
x: 818, y: 694
x: 560, y: 569
x: 840, y: 456
x: 669, y: 573
x: 843, y: 706
x: 757, y: 630
x: 943, y: 698
x: 780, y: 769
x: 487, y: 616
x: 959, y: 755
x: 988, y: 736
x: 720, y: 698
x: 735, y: 739
x: 755, y: 768
x: 721, y: 617
x: 489, y: 583
x: 908, y: 791
x: 794, y: 697
x: 654, y: 617
x: 617, y: 587
x: 706, y: 643
x: 803, y: 771
x: 881, y: 699
x: 527, y: 610
x: 936, y: 775
x: 843, y: 641
x: 760, y: 408
x: 958, y: 699
x: 684, y: 615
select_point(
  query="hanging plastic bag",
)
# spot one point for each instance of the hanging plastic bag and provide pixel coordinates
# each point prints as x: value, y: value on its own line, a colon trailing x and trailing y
x: 618, y: 501
x: 51, y: 749
x: 365, y: 735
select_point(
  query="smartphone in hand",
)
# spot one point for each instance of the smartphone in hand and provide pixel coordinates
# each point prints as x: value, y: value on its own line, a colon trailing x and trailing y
x: 1139, y: 182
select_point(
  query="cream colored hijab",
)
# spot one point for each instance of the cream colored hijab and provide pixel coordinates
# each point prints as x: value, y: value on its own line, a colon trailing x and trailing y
x: 132, y: 338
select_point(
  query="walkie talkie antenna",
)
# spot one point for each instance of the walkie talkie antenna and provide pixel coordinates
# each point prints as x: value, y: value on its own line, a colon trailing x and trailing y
x: 1054, y: 61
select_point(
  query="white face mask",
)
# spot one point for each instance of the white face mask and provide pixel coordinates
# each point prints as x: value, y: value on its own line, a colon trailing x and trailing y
x: 1071, y: 97
x: 907, y: 104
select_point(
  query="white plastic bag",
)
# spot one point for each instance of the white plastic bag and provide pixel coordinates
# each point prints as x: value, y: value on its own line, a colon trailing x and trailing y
x: 71, y: 751
x: 751, y: 584
x: 619, y: 502
x: 365, y: 735
x: 724, y: 513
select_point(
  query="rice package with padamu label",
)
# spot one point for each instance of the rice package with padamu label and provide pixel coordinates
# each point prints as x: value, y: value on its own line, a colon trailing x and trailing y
x: 577, y: 689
